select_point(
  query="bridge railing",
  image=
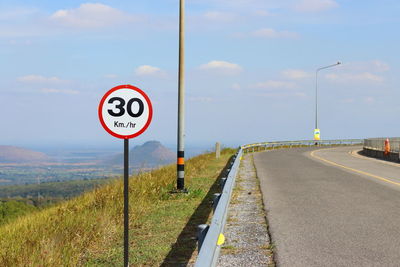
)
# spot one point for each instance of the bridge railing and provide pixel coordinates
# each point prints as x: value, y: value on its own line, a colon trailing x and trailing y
x: 210, y: 237
x: 379, y: 144
x: 299, y: 143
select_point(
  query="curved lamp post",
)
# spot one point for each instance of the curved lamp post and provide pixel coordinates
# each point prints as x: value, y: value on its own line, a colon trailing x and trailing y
x: 316, y: 130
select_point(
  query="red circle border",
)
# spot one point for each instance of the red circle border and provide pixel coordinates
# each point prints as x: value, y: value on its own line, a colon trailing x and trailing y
x: 126, y: 86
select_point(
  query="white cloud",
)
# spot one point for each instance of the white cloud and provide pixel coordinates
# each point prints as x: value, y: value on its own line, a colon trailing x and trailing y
x: 295, y: 74
x: 366, y: 66
x: 271, y: 33
x: 315, y: 5
x: 275, y: 85
x: 110, y: 76
x: 219, y: 16
x: 380, y: 66
x: 236, y: 87
x: 20, y: 42
x: 282, y: 94
x: 32, y: 78
x: 354, y: 77
x: 369, y: 100
x: 262, y: 13
x: 17, y: 13
x: 243, y: 4
x: 147, y: 70
x: 58, y: 91
x: 90, y: 15
x: 348, y: 100
x: 222, y: 67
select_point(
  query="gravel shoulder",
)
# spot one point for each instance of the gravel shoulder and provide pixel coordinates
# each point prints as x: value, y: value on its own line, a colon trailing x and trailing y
x: 246, y: 233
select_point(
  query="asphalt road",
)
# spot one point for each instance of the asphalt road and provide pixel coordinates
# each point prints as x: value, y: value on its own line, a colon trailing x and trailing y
x: 331, y: 208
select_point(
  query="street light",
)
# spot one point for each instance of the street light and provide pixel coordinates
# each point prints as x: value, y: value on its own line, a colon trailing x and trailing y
x: 317, y: 132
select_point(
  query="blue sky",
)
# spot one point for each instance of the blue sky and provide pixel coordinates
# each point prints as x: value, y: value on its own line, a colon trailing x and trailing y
x: 250, y: 68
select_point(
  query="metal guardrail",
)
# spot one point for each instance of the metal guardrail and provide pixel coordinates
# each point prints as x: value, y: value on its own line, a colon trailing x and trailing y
x: 379, y: 144
x: 210, y: 237
x: 272, y: 145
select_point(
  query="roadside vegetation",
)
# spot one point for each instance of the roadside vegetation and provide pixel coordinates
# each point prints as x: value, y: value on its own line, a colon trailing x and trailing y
x: 20, y: 174
x: 87, y: 230
x: 57, y: 190
x: 11, y: 210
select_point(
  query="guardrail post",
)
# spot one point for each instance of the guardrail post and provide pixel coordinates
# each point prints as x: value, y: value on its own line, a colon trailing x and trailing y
x: 222, y: 183
x: 216, y: 198
x: 202, y: 230
x: 217, y: 150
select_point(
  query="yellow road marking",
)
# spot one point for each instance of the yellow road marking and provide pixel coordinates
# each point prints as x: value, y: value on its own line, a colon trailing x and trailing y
x: 351, y: 169
x: 353, y: 153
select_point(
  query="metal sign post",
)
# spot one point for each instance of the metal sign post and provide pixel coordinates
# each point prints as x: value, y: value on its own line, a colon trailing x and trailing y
x: 126, y: 202
x: 125, y: 112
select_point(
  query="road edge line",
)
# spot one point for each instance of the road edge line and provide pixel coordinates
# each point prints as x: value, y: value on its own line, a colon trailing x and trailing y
x: 352, y: 169
x: 354, y: 153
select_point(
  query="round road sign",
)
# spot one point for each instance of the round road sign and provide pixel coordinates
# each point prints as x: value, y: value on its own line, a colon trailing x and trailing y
x: 125, y: 111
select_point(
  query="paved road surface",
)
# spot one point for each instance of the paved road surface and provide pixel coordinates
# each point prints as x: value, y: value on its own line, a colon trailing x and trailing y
x: 331, y: 208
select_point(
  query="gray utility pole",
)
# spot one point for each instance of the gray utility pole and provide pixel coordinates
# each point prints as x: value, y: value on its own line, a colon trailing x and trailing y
x: 316, y: 90
x: 181, y: 100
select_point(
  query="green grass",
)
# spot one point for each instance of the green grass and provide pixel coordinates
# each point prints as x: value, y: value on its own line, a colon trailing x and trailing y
x: 87, y: 230
x: 11, y: 210
x: 229, y: 249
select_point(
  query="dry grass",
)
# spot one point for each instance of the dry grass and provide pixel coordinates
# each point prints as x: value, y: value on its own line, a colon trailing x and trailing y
x: 87, y: 231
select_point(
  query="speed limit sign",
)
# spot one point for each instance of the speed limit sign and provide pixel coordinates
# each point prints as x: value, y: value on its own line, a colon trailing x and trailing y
x: 125, y: 111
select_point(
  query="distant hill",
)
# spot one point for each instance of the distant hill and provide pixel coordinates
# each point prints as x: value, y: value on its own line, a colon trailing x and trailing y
x: 150, y: 154
x: 12, y: 154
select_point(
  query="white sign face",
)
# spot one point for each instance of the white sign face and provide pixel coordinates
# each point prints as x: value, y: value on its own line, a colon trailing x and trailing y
x: 125, y: 111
